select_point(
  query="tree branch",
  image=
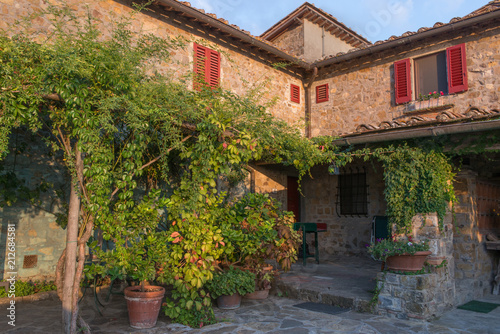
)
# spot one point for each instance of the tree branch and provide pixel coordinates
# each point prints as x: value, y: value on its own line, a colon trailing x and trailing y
x: 151, y: 162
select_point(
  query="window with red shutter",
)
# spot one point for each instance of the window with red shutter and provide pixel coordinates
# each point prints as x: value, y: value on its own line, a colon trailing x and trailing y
x: 295, y: 93
x: 322, y: 93
x: 402, y: 81
x: 206, y: 67
x: 436, y: 74
x: 457, y: 69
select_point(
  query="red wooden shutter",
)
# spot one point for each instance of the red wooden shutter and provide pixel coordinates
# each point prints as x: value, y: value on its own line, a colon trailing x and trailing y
x: 213, y: 73
x: 402, y: 81
x: 322, y: 93
x: 295, y: 93
x: 199, y: 65
x: 457, y: 69
x: 206, y: 66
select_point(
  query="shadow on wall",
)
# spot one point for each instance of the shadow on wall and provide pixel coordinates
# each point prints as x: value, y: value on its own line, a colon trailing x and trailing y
x: 32, y: 189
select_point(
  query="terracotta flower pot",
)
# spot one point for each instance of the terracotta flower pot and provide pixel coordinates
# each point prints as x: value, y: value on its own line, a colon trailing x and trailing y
x: 407, y: 262
x: 258, y: 294
x: 229, y: 302
x: 143, y: 306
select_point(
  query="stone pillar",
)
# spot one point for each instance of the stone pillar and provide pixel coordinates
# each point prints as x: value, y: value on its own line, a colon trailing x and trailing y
x: 424, y: 296
x: 473, y: 264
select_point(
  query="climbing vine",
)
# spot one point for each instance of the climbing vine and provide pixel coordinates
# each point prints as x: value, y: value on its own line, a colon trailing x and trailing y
x: 417, y: 179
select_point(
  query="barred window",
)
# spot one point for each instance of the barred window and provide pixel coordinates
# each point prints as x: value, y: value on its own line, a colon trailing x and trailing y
x: 352, y: 194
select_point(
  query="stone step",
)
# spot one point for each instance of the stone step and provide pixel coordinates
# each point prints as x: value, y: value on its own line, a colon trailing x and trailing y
x: 325, y: 296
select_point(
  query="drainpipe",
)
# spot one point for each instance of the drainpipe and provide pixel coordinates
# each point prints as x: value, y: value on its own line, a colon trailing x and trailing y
x: 322, y: 42
x: 307, y: 92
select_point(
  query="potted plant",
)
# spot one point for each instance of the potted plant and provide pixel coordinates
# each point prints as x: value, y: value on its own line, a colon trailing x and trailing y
x: 264, y: 276
x: 229, y: 285
x: 401, y: 254
x: 139, y: 262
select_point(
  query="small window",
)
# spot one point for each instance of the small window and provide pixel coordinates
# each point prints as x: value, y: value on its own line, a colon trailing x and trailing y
x: 206, y: 67
x: 353, y: 194
x: 322, y: 93
x: 295, y: 93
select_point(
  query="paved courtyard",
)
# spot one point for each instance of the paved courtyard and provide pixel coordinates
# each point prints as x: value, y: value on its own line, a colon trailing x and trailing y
x: 273, y: 315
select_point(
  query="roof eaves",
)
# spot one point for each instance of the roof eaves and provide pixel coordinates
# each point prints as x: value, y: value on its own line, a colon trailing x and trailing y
x: 307, y: 9
x: 472, y: 120
x: 408, y: 37
x: 231, y: 29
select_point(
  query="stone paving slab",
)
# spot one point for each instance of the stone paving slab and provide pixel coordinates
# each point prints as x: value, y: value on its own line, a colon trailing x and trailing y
x: 273, y: 315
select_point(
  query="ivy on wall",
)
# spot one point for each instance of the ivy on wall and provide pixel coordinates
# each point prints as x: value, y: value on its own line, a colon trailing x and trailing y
x: 417, y: 179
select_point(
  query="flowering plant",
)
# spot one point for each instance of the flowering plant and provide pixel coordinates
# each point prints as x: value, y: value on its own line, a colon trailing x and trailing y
x: 431, y: 95
x: 381, y: 249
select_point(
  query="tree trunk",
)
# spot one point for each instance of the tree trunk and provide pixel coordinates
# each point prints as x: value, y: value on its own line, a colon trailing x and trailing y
x: 60, y: 274
x: 71, y: 250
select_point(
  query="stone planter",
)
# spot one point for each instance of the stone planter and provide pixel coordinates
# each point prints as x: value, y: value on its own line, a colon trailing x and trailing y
x: 143, y: 306
x: 229, y: 302
x: 407, y: 262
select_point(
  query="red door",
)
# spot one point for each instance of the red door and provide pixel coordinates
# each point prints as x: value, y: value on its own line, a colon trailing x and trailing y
x: 293, y: 196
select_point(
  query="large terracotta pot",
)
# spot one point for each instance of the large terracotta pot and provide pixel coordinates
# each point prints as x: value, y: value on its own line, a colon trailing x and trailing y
x: 229, y: 302
x: 407, y: 262
x: 143, y: 306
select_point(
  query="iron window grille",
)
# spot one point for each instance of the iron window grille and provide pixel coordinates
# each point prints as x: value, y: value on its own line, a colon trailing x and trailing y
x: 352, y: 193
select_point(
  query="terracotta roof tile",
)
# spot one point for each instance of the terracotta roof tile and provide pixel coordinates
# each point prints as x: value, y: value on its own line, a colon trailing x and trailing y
x: 472, y: 113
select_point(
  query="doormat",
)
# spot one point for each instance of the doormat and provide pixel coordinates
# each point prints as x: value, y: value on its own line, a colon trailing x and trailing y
x: 323, y: 308
x: 477, y: 306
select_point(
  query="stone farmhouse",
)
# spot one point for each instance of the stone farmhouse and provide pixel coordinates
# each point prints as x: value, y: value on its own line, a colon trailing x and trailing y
x: 338, y: 84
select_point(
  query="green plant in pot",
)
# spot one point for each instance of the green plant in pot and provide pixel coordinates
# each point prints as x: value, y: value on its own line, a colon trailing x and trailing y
x: 229, y: 285
x: 140, y: 250
x: 402, y: 254
x: 264, y: 276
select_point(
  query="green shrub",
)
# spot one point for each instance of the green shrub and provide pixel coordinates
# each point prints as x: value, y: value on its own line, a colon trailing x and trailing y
x: 26, y: 288
x: 230, y: 281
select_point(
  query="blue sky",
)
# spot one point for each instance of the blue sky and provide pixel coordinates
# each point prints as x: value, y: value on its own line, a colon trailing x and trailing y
x: 373, y: 19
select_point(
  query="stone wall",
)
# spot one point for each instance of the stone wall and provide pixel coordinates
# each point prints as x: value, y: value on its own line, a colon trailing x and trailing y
x: 291, y: 41
x: 271, y: 181
x: 362, y: 90
x: 38, y: 237
x: 240, y: 73
x: 345, y: 234
x: 423, y: 296
x: 474, y: 265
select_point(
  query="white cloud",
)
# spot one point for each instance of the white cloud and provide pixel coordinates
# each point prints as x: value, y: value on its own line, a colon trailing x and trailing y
x: 383, y: 15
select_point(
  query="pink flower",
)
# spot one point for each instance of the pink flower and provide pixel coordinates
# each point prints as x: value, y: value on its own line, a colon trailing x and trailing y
x: 434, y: 92
x: 441, y: 93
